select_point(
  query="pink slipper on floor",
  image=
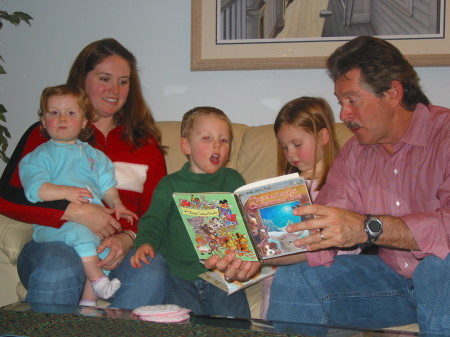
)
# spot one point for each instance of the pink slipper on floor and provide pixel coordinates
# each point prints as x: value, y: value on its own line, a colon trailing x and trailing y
x: 165, y: 319
x: 164, y: 313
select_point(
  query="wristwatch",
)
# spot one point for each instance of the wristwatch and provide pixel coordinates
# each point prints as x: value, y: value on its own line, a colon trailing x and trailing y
x: 373, y: 227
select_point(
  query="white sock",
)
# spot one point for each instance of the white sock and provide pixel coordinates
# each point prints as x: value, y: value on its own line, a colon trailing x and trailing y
x: 105, y: 288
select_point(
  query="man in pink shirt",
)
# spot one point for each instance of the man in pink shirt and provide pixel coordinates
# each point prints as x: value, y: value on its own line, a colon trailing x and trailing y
x: 390, y: 185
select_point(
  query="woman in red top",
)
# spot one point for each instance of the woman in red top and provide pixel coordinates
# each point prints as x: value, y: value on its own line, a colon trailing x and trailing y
x: 126, y: 132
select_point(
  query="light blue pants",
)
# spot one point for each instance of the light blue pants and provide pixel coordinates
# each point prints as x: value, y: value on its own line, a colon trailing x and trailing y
x: 76, y: 235
x: 361, y: 291
x: 53, y: 273
x: 205, y: 299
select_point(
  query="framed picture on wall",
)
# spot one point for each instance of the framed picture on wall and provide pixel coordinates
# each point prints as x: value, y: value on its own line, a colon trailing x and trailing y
x: 287, y: 34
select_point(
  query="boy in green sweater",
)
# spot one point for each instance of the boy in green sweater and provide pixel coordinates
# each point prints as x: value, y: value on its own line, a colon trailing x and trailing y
x: 205, y: 139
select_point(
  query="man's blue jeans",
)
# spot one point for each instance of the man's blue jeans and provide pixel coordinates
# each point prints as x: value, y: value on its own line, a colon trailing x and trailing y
x: 205, y: 299
x: 362, y: 291
x: 53, y: 274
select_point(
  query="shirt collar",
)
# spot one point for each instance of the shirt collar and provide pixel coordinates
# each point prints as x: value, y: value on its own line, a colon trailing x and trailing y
x: 199, y: 177
x: 78, y: 143
x: 118, y: 128
x: 418, y: 131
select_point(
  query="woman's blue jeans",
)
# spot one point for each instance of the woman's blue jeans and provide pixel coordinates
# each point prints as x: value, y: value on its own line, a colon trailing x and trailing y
x: 53, y: 274
x: 362, y: 291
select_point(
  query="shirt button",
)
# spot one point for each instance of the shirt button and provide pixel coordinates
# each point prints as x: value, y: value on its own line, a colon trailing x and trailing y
x: 395, y: 171
x: 397, y: 203
x: 406, y: 264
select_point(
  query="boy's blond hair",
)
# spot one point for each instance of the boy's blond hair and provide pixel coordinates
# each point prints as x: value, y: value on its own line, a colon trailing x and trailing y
x: 82, y: 100
x: 187, y: 123
x: 312, y: 114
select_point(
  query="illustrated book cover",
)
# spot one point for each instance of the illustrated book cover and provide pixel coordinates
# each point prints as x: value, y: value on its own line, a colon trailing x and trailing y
x: 251, y: 221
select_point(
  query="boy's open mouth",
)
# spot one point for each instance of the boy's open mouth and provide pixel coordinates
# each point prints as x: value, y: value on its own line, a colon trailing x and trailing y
x: 214, y: 158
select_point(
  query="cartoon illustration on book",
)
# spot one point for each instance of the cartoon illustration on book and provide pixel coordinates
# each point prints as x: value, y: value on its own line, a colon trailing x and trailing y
x: 268, y: 227
x: 272, y: 236
x: 216, y: 227
x: 251, y: 221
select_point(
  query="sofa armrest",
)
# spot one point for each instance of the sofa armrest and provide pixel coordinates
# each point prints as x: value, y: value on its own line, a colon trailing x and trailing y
x: 13, y: 236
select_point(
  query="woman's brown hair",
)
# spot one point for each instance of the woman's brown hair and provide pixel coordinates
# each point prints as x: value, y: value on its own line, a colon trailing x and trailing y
x: 135, y: 115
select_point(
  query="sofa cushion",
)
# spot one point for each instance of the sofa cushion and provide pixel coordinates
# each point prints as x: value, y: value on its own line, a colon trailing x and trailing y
x: 170, y: 131
x: 342, y: 133
x: 257, y: 158
x: 13, y: 236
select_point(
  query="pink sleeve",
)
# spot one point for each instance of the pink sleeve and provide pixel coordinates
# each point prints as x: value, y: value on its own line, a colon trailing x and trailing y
x: 321, y: 258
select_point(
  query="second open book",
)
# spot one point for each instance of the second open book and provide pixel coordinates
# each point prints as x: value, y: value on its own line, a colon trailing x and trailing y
x: 251, y: 221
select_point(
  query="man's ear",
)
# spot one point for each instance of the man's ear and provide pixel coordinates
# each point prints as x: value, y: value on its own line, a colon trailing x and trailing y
x: 184, y: 144
x: 324, y: 136
x: 395, y: 93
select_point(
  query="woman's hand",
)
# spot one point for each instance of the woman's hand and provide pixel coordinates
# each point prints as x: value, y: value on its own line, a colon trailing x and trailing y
x: 119, y: 246
x: 97, y: 218
x: 233, y: 268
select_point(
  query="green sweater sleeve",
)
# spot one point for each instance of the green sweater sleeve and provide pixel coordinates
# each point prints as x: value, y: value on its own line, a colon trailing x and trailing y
x: 152, y: 225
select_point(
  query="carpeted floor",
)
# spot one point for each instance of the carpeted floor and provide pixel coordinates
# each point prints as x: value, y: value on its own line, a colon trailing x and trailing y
x: 40, y: 324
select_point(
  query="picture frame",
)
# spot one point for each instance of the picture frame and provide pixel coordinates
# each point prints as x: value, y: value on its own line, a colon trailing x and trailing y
x: 206, y: 54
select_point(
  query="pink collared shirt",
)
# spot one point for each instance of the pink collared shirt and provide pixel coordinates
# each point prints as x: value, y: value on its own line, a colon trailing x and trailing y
x: 413, y: 183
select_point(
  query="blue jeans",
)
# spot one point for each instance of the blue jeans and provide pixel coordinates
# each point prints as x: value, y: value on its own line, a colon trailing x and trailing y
x: 53, y: 274
x: 361, y: 291
x: 205, y: 299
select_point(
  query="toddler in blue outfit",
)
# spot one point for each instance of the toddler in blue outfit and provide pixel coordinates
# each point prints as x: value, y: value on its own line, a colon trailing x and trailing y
x: 68, y: 168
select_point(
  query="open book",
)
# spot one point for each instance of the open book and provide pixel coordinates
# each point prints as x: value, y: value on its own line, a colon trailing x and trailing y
x: 251, y: 221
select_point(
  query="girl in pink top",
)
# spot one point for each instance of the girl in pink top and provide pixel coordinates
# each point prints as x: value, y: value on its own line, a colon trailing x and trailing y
x: 307, y: 144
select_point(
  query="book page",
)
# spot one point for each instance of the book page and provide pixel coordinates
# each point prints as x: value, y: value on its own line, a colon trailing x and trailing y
x: 268, y: 208
x: 267, y: 182
x: 215, y: 225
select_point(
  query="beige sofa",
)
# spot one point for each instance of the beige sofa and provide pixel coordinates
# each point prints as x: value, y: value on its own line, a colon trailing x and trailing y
x: 254, y: 155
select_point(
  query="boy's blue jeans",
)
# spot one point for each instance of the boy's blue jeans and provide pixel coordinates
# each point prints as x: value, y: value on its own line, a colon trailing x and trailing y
x: 205, y: 299
x: 53, y: 274
x: 362, y: 291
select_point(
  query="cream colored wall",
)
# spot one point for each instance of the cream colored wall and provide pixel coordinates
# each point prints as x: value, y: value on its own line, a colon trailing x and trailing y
x: 158, y: 33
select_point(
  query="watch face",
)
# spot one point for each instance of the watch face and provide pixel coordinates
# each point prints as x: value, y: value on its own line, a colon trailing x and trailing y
x: 375, y: 226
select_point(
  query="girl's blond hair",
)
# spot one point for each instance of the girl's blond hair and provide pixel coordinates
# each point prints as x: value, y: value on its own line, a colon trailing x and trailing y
x: 187, y: 123
x: 312, y: 114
